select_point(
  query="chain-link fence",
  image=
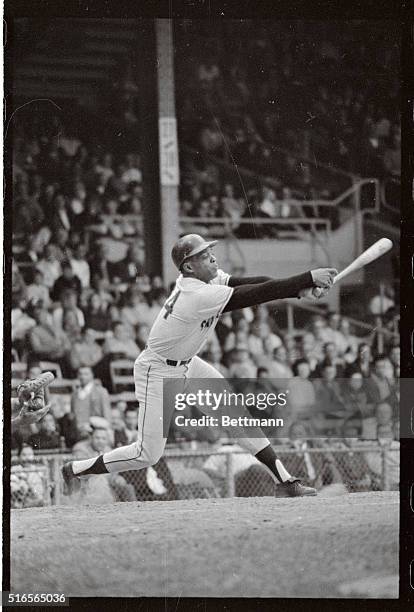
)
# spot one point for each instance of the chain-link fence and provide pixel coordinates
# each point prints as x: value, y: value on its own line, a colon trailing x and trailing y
x: 198, y: 474
x: 30, y: 486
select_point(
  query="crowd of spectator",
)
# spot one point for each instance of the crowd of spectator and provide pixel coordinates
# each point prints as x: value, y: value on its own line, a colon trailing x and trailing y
x: 279, y: 98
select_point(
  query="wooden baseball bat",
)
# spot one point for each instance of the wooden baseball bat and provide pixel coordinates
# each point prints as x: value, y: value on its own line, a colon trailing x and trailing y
x: 376, y: 250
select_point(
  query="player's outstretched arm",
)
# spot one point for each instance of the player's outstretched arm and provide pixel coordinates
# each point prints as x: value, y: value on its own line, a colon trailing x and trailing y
x: 238, y: 281
x: 252, y: 294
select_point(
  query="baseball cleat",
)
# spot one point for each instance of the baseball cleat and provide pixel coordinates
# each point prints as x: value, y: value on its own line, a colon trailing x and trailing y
x: 72, y: 482
x: 294, y: 488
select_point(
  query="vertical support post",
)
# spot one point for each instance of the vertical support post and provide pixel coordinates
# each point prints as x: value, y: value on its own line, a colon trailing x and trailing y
x: 56, y: 481
x: 385, y: 485
x: 230, y: 488
x: 168, y: 145
x: 357, y: 217
x: 290, y: 318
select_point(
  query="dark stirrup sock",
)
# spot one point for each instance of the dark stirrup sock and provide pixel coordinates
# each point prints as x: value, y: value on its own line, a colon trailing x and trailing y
x: 268, y: 457
x: 97, y: 467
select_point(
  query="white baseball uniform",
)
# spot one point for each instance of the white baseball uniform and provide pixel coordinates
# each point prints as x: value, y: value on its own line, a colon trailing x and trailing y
x: 184, y: 324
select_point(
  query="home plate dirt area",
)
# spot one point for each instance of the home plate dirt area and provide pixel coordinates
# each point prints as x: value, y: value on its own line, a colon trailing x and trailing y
x: 342, y: 546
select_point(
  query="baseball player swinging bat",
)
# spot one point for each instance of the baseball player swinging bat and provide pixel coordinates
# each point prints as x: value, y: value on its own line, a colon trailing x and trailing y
x: 375, y: 251
x: 187, y: 320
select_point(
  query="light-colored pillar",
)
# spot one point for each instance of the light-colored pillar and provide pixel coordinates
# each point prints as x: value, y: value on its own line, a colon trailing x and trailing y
x: 168, y: 145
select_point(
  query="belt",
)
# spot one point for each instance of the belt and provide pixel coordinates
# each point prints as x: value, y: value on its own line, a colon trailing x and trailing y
x: 170, y: 362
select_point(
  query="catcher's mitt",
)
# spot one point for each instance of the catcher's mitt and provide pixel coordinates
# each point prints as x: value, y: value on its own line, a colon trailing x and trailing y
x: 31, y: 393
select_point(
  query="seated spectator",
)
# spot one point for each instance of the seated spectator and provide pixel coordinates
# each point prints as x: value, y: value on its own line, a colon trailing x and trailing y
x: 31, y: 254
x: 28, y: 215
x: 68, y: 280
x: 48, y: 436
x: 116, y: 185
x: 120, y: 433
x: 213, y: 356
x: 97, y: 315
x: 105, y: 488
x: 270, y: 344
x: 37, y: 291
x: 132, y: 172
x: 156, y: 300
x: 363, y: 361
x: 381, y: 385
x: 355, y: 396
x: 121, y: 344
x: 60, y: 215
x: 48, y: 342
x: 61, y: 243
x: 381, y: 425
x: 332, y: 329
x: 104, y: 167
x: 241, y: 366
x: 349, y: 345
x: 309, y: 351
x: 80, y: 266
x: 50, y: 266
x: 318, y: 328
x: 101, y: 286
x: 69, y: 299
x: 131, y: 423
x: 127, y: 270
x: 302, y: 397
x: 395, y: 358
x: 85, y: 351
x: 21, y: 322
x: 382, y: 302
x: 279, y: 366
x: 27, y: 488
x: 136, y: 309
x: 330, y: 404
x: 330, y: 355
x: 89, y: 399
x: 77, y: 200
x: 91, y: 217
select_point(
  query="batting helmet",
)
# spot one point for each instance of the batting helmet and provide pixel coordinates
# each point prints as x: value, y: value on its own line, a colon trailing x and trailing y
x: 187, y: 246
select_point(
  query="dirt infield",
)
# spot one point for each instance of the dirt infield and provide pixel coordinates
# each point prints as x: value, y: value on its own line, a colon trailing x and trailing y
x: 254, y: 547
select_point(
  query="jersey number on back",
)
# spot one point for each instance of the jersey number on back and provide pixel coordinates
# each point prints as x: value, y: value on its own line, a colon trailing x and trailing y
x: 169, y: 304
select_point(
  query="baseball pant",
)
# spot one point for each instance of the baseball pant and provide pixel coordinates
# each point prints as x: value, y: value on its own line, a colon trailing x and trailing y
x: 149, y: 373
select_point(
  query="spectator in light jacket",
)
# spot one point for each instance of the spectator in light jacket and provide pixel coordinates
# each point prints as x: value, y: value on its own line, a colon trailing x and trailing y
x: 89, y: 399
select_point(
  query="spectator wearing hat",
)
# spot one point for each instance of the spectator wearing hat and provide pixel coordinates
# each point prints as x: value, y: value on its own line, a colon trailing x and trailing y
x: 89, y: 399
